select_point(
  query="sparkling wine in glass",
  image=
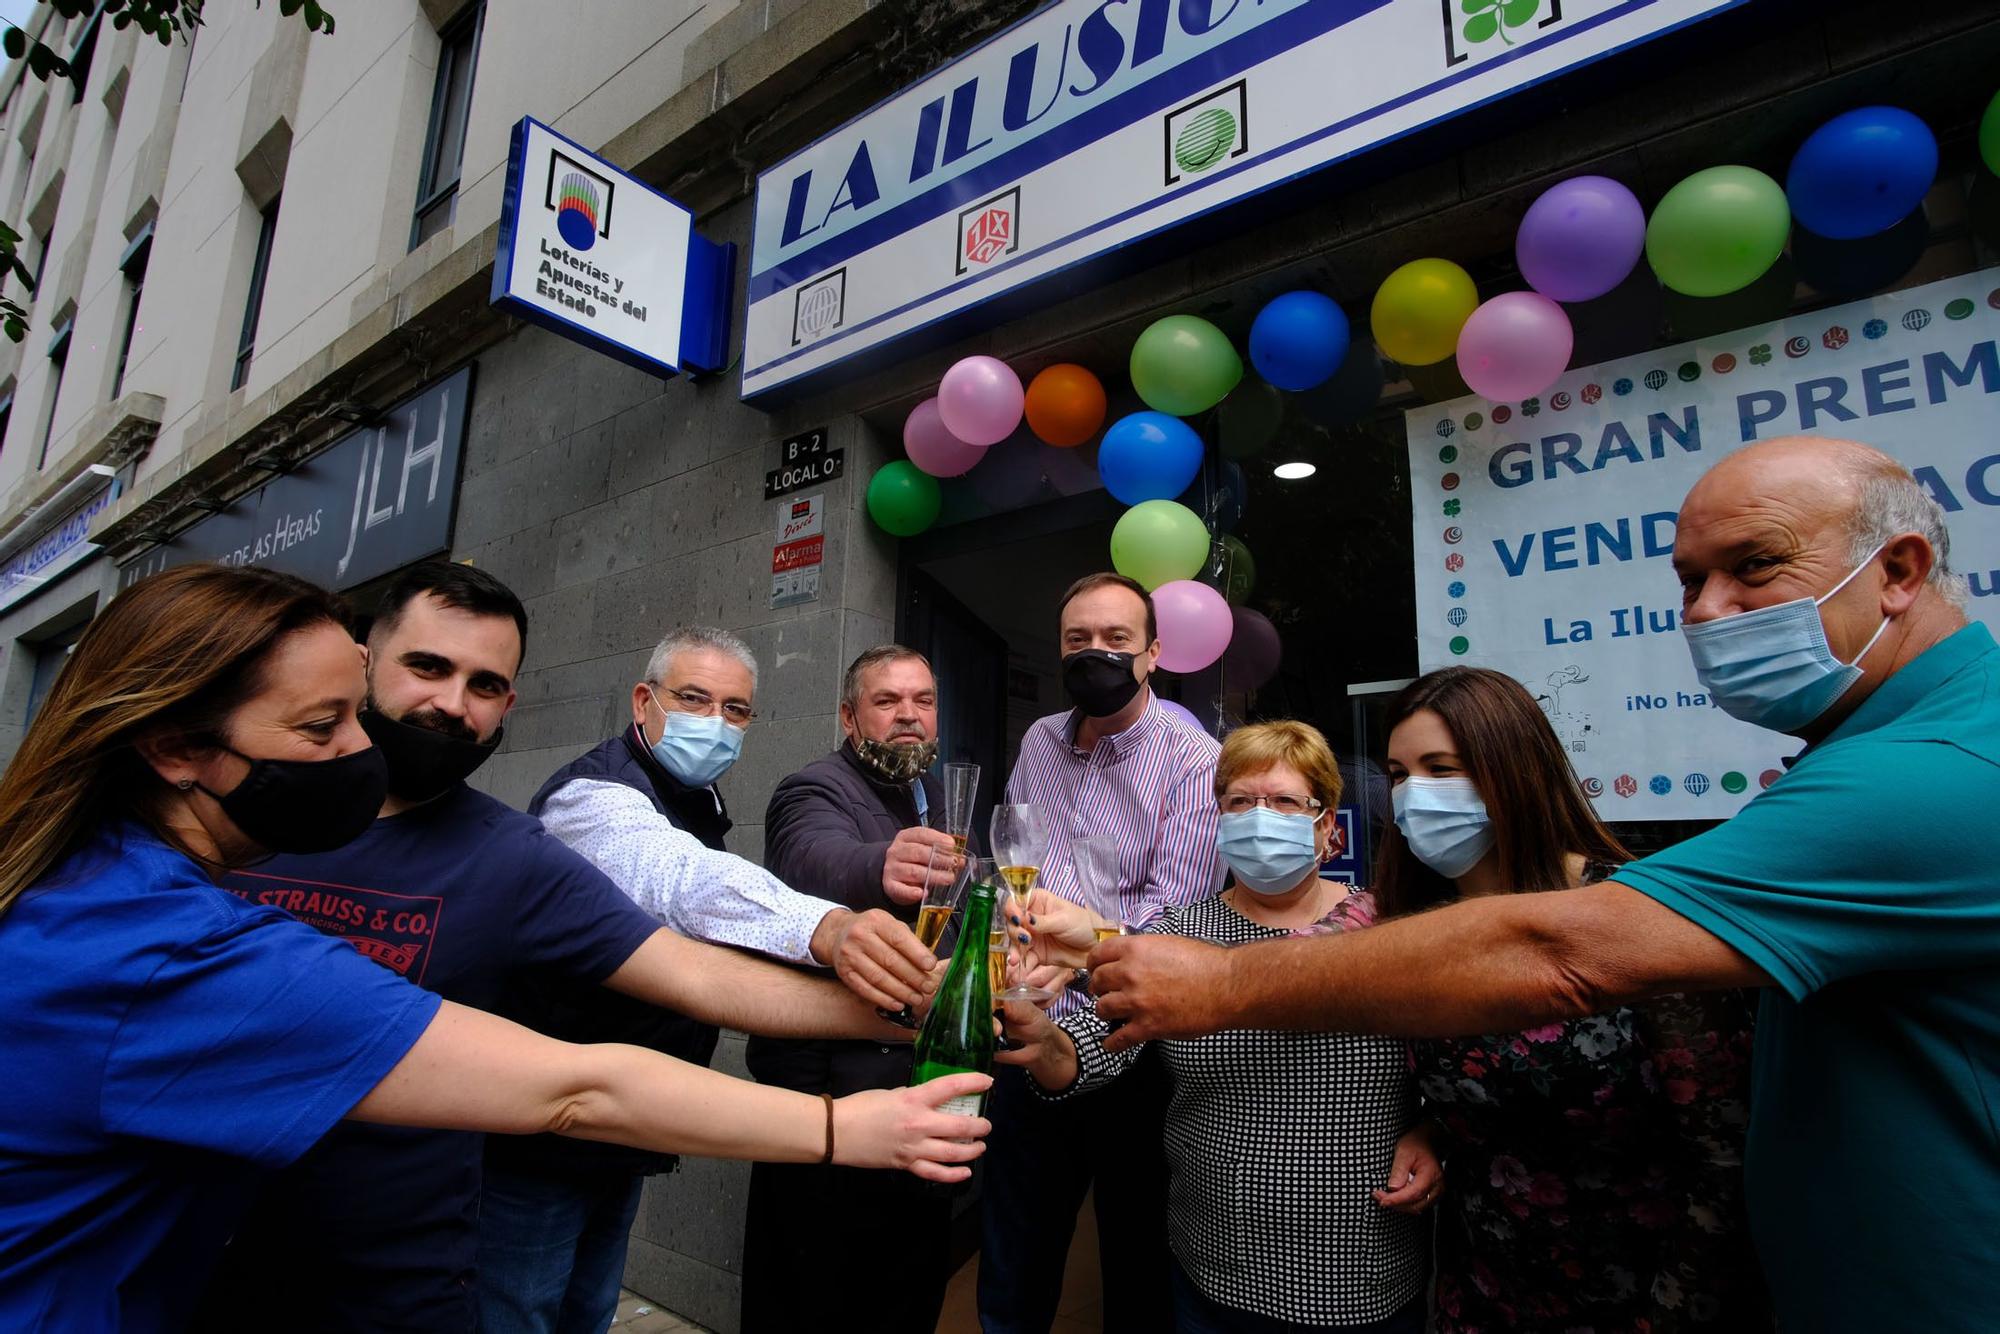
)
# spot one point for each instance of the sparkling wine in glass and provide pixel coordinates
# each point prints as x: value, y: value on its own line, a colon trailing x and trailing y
x: 1020, y: 844
x: 1095, y: 858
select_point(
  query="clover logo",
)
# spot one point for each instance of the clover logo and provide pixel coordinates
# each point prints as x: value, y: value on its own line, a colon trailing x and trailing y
x: 1451, y: 508
x: 1487, y: 19
x: 1760, y: 355
x: 1531, y: 407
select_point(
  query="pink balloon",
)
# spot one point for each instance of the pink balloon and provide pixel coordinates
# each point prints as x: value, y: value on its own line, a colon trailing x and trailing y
x: 935, y: 449
x: 981, y: 400
x: 1195, y: 625
x: 1514, y: 346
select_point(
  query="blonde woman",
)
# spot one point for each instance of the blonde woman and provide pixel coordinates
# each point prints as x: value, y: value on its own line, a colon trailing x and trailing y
x: 1296, y: 1165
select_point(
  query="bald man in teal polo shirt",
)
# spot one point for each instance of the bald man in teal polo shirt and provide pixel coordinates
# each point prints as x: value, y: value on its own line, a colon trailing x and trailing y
x: 1862, y: 890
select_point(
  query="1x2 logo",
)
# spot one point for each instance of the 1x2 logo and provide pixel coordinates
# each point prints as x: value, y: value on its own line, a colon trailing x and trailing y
x: 989, y: 229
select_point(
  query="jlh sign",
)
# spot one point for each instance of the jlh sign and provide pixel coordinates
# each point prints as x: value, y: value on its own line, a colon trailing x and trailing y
x: 1094, y: 124
x: 599, y: 256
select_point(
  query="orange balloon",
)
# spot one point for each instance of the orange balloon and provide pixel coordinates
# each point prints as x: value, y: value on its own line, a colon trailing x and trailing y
x: 1065, y: 405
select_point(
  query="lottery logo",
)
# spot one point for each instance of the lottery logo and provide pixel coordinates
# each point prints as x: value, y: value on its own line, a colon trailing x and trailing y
x: 1769, y: 776
x: 1454, y: 562
x: 1502, y: 414
x: 1459, y: 644
x: 1447, y: 428
x: 1454, y: 535
x: 1760, y: 354
x: 1591, y: 393
x: 1455, y: 617
x: 1834, y: 338
x: 1560, y: 401
x: 1993, y: 298
x: 1734, y: 782
x: 1724, y: 363
x: 1625, y: 785
x: 1797, y: 346
x: 1455, y: 589
x: 1449, y: 454
x: 1696, y: 784
x: 1593, y: 787
x: 1451, y: 508
x: 1473, y: 421
x: 1656, y: 379
x: 1530, y: 406
x: 1958, y: 309
x: 1913, y: 320
x: 1659, y: 785
x: 1690, y: 371
x: 1621, y: 386
x: 1449, y: 481
x: 1874, y: 329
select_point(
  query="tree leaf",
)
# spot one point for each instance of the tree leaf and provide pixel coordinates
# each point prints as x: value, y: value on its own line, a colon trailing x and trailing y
x: 1482, y: 27
x: 289, y: 7
x: 16, y: 43
x: 121, y: 22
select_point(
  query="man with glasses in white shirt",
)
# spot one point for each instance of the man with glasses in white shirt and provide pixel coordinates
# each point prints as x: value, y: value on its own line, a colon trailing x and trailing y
x: 642, y: 806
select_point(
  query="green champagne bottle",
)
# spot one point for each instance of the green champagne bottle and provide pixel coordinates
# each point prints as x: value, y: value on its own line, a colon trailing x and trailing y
x: 958, y: 1036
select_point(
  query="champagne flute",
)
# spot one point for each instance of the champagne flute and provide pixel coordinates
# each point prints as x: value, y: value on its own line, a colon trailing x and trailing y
x: 1020, y: 842
x: 961, y: 791
x: 940, y: 900
x: 1095, y: 858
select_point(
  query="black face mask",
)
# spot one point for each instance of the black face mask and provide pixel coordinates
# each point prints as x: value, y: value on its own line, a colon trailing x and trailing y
x: 306, y: 805
x: 423, y: 760
x: 1099, y: 681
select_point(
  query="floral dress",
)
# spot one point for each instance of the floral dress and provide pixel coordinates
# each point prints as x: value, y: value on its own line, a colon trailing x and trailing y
x: 1594, y: 1172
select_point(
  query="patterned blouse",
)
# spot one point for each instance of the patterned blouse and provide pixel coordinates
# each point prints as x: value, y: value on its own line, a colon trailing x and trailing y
x: 1274, y: 1141
x: 1594, y: 1172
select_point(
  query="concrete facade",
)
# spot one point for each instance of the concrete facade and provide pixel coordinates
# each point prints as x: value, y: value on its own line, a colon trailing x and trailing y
x: 615, y: 503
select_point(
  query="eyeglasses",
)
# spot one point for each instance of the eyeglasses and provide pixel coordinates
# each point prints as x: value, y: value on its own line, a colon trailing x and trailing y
x: 1285, y: 803
x: 698, y: 701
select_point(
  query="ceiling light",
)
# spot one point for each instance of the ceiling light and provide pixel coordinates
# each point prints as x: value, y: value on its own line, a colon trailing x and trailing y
x: 1292, y: 472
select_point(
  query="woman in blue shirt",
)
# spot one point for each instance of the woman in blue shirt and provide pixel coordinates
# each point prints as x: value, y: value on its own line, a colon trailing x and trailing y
x: 165, y: 1040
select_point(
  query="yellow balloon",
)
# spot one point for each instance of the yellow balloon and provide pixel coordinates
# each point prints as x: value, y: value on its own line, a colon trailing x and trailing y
x: 1419, y: 310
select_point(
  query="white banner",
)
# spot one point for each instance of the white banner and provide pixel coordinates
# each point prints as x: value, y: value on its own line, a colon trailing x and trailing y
x: 1092, y: 124
x: 1544, y: 530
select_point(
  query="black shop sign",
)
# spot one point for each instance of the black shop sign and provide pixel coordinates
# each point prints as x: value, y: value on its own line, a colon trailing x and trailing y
x: 803, y: 461
x: 377, y: 499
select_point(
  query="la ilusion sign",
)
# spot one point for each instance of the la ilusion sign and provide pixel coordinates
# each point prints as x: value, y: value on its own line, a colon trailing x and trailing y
x: 1093, y: 124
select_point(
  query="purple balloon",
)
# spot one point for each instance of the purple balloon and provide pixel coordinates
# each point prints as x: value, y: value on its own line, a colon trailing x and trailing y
x: 932, y: 446
x: 1580, y: 239
x: 1254, y: 650
x: 1184, y: 713
x: 1194, y: 625
x: 1514, y: 346
x: 981, y: 400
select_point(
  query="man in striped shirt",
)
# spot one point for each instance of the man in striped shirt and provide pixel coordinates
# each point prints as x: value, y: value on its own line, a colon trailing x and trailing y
x: 1120, y: 764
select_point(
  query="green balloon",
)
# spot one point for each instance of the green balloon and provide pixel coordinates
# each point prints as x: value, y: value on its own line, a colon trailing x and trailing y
x: 1236, y: 572
x: 1718, y: 231
x: 1250, y: 417
x: 1157, y: 542
x: 903, y: 499
x: 1183, y: 365
x: 1989, y: 136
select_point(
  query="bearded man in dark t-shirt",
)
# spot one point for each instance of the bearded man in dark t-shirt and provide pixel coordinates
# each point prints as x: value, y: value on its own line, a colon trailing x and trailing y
x: 375, y: 1228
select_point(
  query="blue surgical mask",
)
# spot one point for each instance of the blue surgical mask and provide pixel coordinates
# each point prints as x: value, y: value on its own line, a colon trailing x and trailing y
x: 1773, y: 667
x: 1444, y: 822
x: 696, y: 748
x: 1268, y: 852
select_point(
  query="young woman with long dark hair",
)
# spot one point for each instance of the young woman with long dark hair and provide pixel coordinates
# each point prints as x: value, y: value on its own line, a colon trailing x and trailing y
x: 1594, y: 1166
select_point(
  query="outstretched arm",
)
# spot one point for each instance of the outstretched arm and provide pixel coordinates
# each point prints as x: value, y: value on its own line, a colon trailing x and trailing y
x: 1489, y: 965
x: 473, y: 1071
x: 733, y: 990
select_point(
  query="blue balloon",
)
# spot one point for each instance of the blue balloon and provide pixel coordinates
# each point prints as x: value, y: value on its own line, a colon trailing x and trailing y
x: 1298, y: 340
x: 1862, y: 172
x: 1148, y: 456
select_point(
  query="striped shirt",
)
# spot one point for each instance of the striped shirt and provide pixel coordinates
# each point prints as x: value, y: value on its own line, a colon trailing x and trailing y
x: 1151, y: 786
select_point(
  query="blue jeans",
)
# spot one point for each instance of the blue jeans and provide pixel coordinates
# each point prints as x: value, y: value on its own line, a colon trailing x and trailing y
x: 552, y: 1253
x: 1194, y: 1313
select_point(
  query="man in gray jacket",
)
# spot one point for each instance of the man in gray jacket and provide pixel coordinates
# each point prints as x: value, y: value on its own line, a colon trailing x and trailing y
x: 856, y: 826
